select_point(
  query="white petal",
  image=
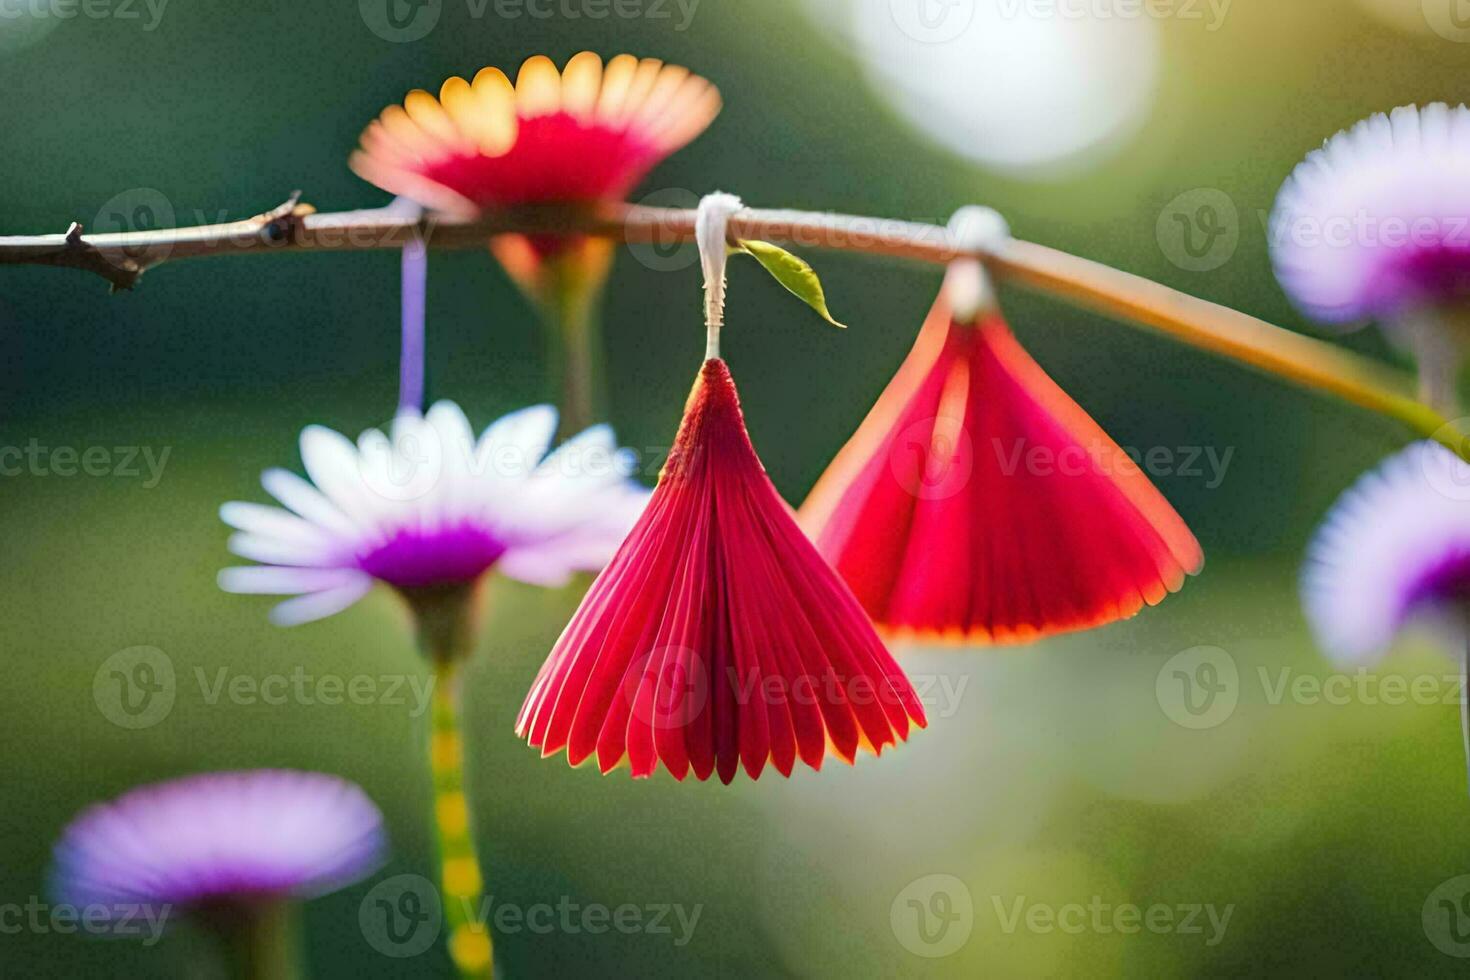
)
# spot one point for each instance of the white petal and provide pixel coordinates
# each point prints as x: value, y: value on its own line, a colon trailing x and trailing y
x: 403, y: 472
x: 597, y: 442
x: 575, y: 505
x: 275, y: 551
x: 319, y: 605
x: 515, y: 443
x: 588, y: 547
x: 271, y: 522
x: 284, y: 580
x: 332, y: 463
x: 456, y: 491
x: 588, y: 460
x: 552, y: 563
x: 535, y: 567
x: 454, y: 428
x: 307, y: 500
x: 572, y: 485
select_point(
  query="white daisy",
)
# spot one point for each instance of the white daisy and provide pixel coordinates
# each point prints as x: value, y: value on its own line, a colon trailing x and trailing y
x: 430, y: 508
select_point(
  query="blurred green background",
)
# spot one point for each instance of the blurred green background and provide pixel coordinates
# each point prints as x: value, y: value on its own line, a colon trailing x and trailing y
x: 1057, y: 775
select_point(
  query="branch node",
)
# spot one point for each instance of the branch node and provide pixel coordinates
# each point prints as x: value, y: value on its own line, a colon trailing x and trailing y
x: 280, y: 223
x: 121, y: 273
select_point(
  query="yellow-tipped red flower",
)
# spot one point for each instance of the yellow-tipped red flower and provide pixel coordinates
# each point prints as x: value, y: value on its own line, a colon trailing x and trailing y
x: 584, y: 134
x: 587, y: 133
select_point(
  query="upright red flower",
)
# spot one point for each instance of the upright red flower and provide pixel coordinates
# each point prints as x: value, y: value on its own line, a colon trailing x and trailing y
x: 717, y: 637
x: 978, y: 503
x: 580, y: 136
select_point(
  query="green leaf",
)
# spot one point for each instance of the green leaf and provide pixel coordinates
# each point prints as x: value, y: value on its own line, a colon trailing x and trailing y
x: 792, y: 272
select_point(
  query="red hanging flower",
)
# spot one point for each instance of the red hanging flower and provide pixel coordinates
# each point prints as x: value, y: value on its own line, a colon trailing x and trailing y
x: 979, y: 503
x: 717, y: 638
x: 587, y: 133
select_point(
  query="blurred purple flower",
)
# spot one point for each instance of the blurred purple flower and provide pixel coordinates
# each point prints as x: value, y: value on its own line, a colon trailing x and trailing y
x: 220, y: 837
x: 1395, y: 548
x: 1376, y: 223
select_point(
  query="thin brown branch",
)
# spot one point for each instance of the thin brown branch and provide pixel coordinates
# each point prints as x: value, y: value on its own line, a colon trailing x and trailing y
x: 122, y: 257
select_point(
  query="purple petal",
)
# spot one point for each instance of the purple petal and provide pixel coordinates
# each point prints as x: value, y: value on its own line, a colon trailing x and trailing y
x: 220, y: 837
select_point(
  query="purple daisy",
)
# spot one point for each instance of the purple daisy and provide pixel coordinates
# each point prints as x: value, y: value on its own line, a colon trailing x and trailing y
x: 220, y: 838
x: 1394, y: 549
x: 1376, y: 223
x: 432, y: 508
x: 1376, y: 226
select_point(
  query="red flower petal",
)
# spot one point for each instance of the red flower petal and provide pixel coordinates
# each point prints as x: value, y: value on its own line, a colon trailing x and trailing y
x: 587, y: 133
x: 978, y: 502
x: 583, y: 134
x: 717, y: 638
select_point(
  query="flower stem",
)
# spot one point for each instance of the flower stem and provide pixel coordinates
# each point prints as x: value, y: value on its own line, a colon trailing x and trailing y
x: 259, y: 939
x: 460, y: 881
x: 567, y: 296
x: 576, y: 357
x: 446, y: 620
x: 1465, y: 693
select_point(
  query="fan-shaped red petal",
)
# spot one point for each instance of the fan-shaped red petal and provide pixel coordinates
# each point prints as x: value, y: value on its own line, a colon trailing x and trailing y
x: 717, y: 638
x: 978, y: 502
